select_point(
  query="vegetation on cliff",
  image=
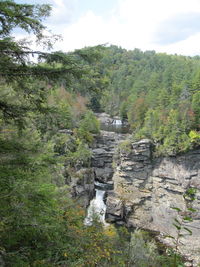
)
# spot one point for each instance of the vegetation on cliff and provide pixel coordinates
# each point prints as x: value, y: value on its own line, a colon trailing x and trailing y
x: 40, y: 224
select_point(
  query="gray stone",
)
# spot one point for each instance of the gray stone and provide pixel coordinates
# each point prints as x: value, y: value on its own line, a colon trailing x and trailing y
x: 82, y: 185
x: 114, y: 206
x: 151, y: 188
x: 66, y: 131
x: 145, y: 189
x: 104, y: 118
x: 103, y: 174
x: 99, y: 151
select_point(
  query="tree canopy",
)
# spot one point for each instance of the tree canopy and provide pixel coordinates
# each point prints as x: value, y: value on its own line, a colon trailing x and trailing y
x: 156, y: 92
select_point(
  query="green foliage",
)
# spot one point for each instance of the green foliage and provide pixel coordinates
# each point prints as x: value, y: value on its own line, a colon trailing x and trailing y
x: 176, y: 139
x: 195, y: 137
x: 158, y: 93
x: 123, y: 111
x: 143, y: 251
x: 183, y: 217
x: 81, y: 156
x: 27, y: 196
x: 26, y: 16
x: 196, y: 108
x: 125, y: 146
x: 89, y: 125
x: 24, y: 85
x: 40, y: 224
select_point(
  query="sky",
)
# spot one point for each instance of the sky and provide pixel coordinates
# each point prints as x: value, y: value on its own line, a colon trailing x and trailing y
x: 169, y: 26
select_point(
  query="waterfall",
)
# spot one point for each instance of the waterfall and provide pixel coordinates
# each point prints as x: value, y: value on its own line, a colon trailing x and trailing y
x: 112, y: 132
x: 97, y: 208
x: 117, y: 122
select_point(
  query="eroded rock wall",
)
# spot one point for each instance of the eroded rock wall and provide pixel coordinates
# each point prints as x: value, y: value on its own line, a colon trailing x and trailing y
x: 81, y: 180
x: 102, y: 155
x: 81, y: 183
x: 146, y: 190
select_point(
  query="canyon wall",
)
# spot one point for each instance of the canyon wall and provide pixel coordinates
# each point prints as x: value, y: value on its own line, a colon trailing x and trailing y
x: 81, y: 179
x: 142, y: 190
x: 146, y: 189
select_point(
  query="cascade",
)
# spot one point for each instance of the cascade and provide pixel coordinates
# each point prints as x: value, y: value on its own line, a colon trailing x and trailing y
x: 117, y: 122
x: 97, y: 208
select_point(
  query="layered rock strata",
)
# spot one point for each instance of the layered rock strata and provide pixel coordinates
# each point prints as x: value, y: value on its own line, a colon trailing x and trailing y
x: 82, y: 185
x: 81, y: 180
x: 147, y: 189
x: 102, y: 159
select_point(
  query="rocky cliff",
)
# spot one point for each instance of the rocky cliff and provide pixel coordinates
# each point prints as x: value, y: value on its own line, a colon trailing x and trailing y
x: 146, y: 189
x: 81, y: 180
x: 102, y: 155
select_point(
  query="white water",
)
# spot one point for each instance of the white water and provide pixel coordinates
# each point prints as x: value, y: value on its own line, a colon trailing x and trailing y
x: 101, y: 185
x: 117, y: 122
x: 97, y: 208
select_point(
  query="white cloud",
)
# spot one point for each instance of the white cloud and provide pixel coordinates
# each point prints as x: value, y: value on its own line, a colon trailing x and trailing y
x: 62, y: 12
x: 132, y: 23
x: 88, y: 30
x: 186, y: 47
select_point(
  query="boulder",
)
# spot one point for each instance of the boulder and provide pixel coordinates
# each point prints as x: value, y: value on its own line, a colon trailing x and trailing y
x: 82, y: 185
x: 114, y: 208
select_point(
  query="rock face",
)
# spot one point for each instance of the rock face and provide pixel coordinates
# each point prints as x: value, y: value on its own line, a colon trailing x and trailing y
x: 82, y: 185
x: 78, y: 177
x: 146, y: 190
x: 81, y: 180
x: 102, y: 159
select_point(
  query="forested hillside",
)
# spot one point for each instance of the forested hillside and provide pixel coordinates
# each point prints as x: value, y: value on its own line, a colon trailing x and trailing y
x: 43, y: 93
x: 158, y: 94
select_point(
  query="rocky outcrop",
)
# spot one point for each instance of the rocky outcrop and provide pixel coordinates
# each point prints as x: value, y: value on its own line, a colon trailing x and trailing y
x: 102, y: 159
x: 146, y: 190
x: 76, y: 174
x: 81, y: 180
x: 82, y: 185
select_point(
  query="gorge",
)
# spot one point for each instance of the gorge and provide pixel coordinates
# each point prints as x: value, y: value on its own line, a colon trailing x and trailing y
x: 142, y: 190
x: 56, y: 162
